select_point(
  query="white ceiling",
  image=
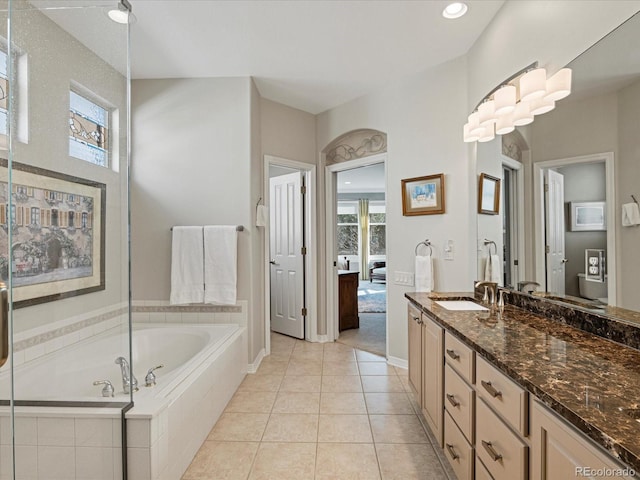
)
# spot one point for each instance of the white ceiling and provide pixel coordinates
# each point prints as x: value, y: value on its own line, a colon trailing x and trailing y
x: 311, y: 55
x: 369, y: 179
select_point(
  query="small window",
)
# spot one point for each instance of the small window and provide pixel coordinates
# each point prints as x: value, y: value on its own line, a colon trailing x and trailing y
x: 88, y: 130
x: 347, y: 228
x: 4, y: 93
x: 35, y: 216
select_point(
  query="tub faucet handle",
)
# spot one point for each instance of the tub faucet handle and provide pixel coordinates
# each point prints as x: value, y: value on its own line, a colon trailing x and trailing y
x: 150, y: 379
x: 108, y: 390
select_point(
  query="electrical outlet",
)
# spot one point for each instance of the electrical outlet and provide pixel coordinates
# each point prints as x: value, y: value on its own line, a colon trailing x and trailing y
x: 403, y: 278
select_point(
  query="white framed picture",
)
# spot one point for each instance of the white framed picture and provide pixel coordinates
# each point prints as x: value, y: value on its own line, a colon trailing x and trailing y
x: 588, y: 216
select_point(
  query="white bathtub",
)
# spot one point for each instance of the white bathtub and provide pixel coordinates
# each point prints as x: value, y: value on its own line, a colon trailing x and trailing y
x: 203, y: 366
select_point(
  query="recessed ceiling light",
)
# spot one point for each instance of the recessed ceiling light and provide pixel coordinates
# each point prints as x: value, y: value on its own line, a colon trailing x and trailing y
x: 455, y: 10
x: 347, y: 183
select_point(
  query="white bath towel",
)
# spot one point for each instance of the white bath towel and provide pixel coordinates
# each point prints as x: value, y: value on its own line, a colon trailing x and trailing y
x: 262, y: 216
x: 493, y: 269
x: 424, y: 273
x: 630, y: 214
x: 220, y: 264
x: 187, y: 272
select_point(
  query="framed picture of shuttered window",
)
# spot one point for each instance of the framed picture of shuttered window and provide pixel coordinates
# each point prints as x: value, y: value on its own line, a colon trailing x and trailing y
x: 58, y: 246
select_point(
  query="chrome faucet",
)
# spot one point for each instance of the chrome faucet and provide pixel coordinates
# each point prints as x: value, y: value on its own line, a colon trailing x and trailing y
x: 128, y: 383
x: 492, y: 287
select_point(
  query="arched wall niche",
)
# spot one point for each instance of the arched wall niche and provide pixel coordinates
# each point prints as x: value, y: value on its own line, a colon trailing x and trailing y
x: 355, y: 144
x: 513, y: 144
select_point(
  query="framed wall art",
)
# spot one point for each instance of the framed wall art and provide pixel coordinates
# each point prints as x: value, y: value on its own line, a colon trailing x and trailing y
x: 489, y: 195
x: 423, y: 195
x: 57, y: 234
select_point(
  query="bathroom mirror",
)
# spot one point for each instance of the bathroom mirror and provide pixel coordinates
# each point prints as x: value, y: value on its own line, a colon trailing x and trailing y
x: 587, y: 150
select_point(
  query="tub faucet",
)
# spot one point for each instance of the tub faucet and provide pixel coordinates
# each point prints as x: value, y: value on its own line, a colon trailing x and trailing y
x: 128, y: 383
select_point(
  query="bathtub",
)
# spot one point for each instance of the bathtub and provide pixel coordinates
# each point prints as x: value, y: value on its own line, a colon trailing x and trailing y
x: 202, y: 367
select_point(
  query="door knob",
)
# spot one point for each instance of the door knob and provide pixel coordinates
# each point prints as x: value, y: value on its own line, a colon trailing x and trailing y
x: 272, y: 262
x: 564, y: 260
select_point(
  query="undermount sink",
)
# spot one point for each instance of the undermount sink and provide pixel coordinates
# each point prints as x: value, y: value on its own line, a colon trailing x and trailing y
x: 460, y: 305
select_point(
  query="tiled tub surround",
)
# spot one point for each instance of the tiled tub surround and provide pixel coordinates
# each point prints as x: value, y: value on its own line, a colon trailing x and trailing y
x: 564, y: 367
x: 187, y: 407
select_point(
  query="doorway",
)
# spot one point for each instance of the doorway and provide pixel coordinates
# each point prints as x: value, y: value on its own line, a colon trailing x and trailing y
x: 358, y: 246
x: 565, y: 190
x: 290, y: 250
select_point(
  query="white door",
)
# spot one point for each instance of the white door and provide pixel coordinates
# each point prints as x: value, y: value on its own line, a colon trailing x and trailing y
x: 287, y: 260
x: 555, y: 227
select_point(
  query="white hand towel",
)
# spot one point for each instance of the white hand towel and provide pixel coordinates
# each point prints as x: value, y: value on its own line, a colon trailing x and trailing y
x: 630, y: 214
x: 493, y: 269
x: 424, y: 273
x: 220, y: 264
x: 262, y: 216
x: 187, y: 273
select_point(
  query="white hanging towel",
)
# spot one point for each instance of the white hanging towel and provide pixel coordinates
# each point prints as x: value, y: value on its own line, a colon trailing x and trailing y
x: 262, y: 216
x: 187, y: 272
x: 630, y: 214
x: 220, y: 264
x: 424, y: 273
x: 493, y: 270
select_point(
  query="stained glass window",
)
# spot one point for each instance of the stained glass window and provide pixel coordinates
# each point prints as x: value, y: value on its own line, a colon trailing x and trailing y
x: 88, y: 130
x: 4, y: 93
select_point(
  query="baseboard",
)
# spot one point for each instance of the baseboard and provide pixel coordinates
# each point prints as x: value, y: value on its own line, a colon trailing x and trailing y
x: 323, y: 338
x: 253, y: 367
x: 397, y: 362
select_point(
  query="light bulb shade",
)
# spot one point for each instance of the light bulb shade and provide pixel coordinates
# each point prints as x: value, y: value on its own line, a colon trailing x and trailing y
x: 467, y: 136
x: 488, y: 135
x: 541, y: 105
x: 504, y: 124
x: 486, y: 112
x: 522, y: 114
x: 533, y: 84
x: 505, y: 99
x: 559, y: 85
x: 474, y: 125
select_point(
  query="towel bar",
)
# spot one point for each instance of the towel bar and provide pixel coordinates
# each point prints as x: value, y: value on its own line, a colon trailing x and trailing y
x: 239, y: 228
x: 635, y: 199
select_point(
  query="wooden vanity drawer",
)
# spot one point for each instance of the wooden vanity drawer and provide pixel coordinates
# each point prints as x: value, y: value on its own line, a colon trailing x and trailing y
x: 505, y: 397
x: 457, y: 450
x: 501, y: 451
x: 459, y: 356
x: 458, y: 401
x: 481, y: 471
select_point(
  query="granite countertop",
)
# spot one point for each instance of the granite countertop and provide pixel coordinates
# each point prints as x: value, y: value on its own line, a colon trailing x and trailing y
x: 591, y: 382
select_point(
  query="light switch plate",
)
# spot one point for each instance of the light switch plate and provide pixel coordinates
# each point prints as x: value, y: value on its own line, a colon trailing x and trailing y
x: 403, y: 278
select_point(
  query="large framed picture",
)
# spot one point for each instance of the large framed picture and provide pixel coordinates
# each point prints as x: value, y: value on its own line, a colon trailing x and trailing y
x: 423, y: 195
x: 57, y: 234
x: 489, y: 195
x: 587, y: 216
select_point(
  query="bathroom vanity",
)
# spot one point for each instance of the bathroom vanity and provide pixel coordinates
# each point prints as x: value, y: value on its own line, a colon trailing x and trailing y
x: 515, y: 393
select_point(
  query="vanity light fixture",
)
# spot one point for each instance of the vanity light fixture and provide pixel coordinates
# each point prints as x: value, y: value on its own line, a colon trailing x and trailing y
x: 121, y: 13
x: 455, y: 10
x: 516, y: 101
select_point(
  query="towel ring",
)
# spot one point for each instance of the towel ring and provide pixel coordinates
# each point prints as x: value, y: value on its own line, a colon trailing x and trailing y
x: 426, y: 243
x: 491, y: 242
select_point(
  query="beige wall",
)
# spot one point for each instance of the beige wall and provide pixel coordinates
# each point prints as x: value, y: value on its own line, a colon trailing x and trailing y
x: 421, y: 117
x: 628, y: 183
x: 55, y: 60
x: 287, y: 132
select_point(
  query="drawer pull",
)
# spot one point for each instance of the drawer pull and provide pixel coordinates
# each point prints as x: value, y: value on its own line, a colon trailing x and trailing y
x: 453, y: 354
x: 452, y: 400
x: 495, y: 456
x: 452, y: 452
x: 491, y: 389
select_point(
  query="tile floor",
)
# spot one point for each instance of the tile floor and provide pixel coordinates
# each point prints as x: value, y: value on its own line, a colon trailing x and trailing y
x: 320, y: 411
